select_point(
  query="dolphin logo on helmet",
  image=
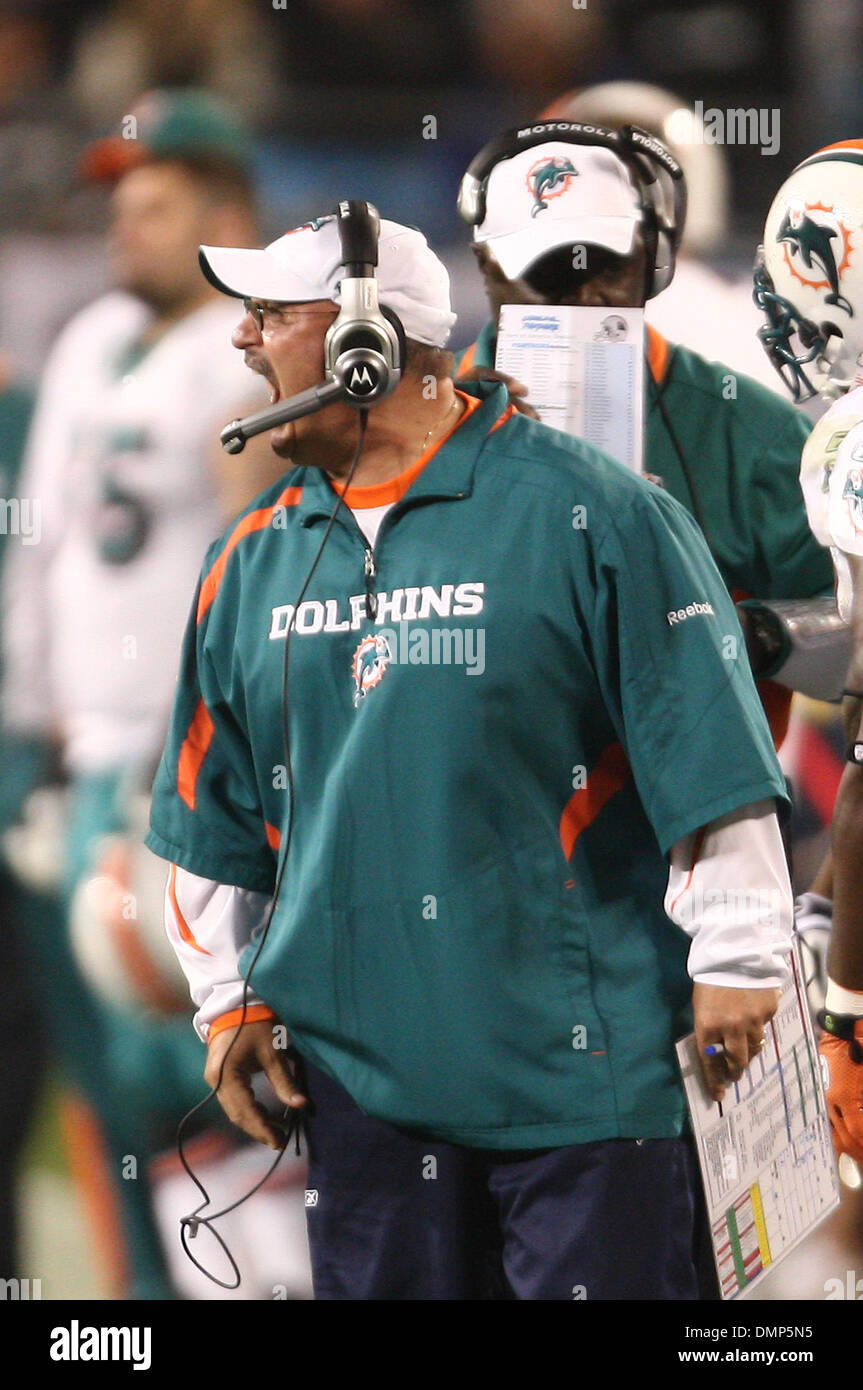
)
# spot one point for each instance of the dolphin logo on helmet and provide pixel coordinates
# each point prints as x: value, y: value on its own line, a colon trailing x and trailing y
x: 811, y: 242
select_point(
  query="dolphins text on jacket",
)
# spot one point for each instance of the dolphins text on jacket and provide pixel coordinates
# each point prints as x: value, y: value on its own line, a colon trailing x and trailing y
x: 410, y: 604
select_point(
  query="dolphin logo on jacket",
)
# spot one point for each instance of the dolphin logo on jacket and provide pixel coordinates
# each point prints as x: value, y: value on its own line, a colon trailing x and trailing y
x: 369, y: 664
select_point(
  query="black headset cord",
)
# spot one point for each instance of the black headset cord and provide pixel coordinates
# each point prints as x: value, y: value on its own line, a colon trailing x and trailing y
x: 293, y: 1119
x: 697, y: 512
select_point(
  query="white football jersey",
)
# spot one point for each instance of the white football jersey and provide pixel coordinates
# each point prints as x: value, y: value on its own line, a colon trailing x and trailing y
x: 119, y: 467
x: 831, y: 476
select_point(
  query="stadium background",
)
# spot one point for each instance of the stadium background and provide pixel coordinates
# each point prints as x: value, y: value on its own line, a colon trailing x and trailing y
x: 389, y: 99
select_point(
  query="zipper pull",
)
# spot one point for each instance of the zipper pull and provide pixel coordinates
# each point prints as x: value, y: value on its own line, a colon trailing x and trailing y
x: 370, y: 572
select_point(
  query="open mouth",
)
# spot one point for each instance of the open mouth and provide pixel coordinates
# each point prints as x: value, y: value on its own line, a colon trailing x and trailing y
x: 263, y: 369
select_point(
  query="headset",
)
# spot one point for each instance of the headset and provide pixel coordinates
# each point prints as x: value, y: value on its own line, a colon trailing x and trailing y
x: 658, y: 178
x: 365, y: 346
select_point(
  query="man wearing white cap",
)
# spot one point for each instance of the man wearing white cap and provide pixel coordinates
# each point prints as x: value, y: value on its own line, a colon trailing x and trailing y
x: 482, y: 993
x: 725, y: 326
x: 303, y: 267
x: 722, y: 445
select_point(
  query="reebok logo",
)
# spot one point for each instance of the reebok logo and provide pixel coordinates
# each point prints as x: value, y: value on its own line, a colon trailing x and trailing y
x: 679, y: 615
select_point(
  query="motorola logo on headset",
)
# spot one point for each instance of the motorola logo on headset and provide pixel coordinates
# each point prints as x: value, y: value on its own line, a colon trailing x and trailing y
x: 362, y: 381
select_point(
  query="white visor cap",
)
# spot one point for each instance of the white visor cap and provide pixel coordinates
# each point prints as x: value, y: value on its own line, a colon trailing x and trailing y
x: 305, y: 264
x: 555, y: 195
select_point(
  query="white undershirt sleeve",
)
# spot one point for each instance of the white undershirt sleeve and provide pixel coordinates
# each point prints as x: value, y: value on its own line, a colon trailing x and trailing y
x: 209, y: 925
x: 729, y: 890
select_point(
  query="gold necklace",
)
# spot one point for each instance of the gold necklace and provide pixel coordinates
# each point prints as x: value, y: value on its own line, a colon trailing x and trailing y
x: 438, y: 426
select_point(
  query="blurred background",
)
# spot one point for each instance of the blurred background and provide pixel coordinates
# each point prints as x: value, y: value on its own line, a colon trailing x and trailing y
x: 339, y: 91
x: 386, y: 100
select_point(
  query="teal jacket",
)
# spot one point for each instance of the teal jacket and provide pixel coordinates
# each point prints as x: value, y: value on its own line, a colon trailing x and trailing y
x: 739, y: 476
x: 501, y: 718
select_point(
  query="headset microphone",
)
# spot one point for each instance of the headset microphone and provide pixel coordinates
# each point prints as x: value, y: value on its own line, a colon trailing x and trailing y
x: 364, y: 350
x: 235, y: 435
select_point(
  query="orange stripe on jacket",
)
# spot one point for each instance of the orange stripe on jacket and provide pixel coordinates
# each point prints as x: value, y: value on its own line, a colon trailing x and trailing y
x: 195, y: 747
x: 502, y: 418
x: 657, y: 354
x: 253, y: 521
x: 182, y: 925
x: 467, y: 359
x: 611, y: 772
x: 274, y: 835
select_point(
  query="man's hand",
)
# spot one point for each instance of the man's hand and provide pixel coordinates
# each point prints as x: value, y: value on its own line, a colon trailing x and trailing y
x: 517, y: 389
x: 844, y: 1090
x: 253, y: 1051
x: 736, y: 1019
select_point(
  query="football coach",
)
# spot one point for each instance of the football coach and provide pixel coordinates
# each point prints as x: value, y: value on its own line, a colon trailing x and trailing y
x: 482, y: 898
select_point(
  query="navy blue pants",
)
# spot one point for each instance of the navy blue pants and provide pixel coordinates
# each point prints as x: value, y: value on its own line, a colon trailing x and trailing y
x: 393, y: 1215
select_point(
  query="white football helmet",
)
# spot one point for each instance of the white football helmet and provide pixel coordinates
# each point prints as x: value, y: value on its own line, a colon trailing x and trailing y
x: 809, y: 274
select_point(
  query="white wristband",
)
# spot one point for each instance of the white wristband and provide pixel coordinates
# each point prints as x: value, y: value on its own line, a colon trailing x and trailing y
x: 839, y: 1000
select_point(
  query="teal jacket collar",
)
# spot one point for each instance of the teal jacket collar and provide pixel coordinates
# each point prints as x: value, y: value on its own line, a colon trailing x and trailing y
x: 449, y: 472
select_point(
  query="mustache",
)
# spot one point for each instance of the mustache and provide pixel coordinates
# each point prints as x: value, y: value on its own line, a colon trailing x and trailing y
x: 263, y: 368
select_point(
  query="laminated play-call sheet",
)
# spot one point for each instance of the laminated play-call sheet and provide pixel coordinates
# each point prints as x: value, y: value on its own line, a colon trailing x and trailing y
x: 766, y: 1154
x: 584, y: 370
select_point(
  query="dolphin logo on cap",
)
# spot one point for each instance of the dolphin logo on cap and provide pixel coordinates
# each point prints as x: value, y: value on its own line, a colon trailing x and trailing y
x: 547, y: 176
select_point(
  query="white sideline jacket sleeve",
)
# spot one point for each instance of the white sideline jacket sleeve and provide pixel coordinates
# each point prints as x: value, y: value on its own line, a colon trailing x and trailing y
x: 209, y: 926
x: 729, y: 890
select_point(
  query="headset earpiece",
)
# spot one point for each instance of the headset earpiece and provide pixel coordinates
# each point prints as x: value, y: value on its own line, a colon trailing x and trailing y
x: 662, y: 188
x: 365, y: 345
x: 392, y: 317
